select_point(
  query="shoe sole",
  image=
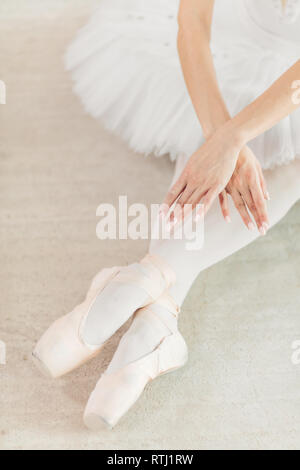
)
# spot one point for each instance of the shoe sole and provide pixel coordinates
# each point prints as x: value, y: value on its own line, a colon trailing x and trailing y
x: 41, y: 366
x: 96, y: 423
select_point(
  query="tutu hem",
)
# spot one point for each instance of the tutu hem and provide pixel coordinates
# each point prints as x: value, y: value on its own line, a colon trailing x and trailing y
x: 127, y: 75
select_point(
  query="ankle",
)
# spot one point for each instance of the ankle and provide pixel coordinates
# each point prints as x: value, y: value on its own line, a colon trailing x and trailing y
x: 166, y: 310
x: 158, y: 265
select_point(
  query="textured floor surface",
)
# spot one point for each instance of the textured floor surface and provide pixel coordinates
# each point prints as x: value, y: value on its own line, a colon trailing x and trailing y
x: 239, y: 389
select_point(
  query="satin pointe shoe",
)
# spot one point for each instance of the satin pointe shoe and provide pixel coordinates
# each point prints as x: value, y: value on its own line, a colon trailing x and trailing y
x: 62, y: 348
x: 125, y: 379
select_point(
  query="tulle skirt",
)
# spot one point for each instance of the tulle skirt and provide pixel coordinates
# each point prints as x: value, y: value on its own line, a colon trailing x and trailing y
x: 127, y: 73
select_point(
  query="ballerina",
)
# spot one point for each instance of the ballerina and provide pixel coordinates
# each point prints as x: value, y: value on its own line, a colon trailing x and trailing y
x: 215, y: 84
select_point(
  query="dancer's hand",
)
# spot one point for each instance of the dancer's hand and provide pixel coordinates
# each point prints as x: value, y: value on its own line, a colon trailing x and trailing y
x: 207, y: 172
x: 248, y: 189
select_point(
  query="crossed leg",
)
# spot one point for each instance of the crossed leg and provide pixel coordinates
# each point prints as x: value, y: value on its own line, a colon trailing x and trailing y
x: 222, y: 239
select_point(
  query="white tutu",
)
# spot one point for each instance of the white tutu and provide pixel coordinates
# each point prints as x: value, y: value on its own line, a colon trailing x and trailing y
x: 126, y: 71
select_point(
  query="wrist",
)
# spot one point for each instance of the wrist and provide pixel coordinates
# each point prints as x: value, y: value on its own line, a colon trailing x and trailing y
x: 240, y: 130
x: 215, y: 121
x: 235, y: 134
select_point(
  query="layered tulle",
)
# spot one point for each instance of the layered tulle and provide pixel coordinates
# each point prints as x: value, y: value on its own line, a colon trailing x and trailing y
x: 248, y: 73
x: 126, y: 71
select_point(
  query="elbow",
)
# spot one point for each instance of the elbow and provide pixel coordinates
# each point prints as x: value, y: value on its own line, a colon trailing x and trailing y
x: 185, y: 19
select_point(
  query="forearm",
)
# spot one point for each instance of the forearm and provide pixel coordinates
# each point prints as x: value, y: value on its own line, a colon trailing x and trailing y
x: 199, y: 72
x: 277, y: 102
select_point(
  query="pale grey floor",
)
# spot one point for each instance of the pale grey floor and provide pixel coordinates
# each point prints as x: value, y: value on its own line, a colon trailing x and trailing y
x: 239, y: 389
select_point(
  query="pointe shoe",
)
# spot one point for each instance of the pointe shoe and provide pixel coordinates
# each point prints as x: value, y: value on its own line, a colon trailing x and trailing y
x: 116, y: 392
x: 62, y: 349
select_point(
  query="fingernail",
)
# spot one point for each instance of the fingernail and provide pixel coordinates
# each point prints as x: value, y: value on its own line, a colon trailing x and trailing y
x: 262, y: 230
x: 198, y: 217
x: 268, y: 196
x: 251, y: 226
x: 200, y: 214
x: 228, y: 219
x: 266, y: 226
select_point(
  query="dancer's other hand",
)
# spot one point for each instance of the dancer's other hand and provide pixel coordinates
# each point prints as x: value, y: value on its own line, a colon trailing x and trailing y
x: 207, y: 172
x: 248, y: 190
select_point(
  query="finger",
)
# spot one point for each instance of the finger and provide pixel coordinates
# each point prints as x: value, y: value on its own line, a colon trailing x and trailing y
x: 185, y: 196
x: 173, y: 194
x: 194, y: 201
x: 187, y: 202
x: 209, y: 198
x: 261, y: 207
x: 223, y: 198
x: 263, y: 184
x: 242, y: 209
x: 247, y: 197
x: 177, y: 214
x: 184, y: 210
x: 201, y: 201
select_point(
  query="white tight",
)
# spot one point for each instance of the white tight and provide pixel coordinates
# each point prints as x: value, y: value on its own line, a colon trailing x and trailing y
x: 118, y: 301
x: 222, y: 239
